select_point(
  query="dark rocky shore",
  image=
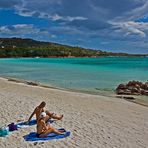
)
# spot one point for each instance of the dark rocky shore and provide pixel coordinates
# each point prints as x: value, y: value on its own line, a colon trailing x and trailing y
x: 133, y: 88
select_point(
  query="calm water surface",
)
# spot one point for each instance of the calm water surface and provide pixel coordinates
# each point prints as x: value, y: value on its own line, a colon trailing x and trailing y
x: 89, y: 74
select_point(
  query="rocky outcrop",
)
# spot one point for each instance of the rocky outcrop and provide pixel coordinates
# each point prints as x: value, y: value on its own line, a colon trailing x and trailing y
x: 133, y: 88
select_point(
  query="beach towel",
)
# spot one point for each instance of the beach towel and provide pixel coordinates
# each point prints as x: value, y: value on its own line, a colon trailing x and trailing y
x: 32, y: 122
x: 33, y: 136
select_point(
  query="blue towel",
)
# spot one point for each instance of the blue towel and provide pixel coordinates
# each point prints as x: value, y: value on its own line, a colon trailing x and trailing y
x: 33, y: 136
x: 32, y: 122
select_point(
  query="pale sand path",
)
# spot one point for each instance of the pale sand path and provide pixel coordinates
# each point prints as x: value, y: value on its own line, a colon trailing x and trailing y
x: 95, y: 121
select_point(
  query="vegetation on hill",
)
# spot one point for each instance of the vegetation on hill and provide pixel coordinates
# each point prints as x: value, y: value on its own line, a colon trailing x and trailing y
x: 18, y: 47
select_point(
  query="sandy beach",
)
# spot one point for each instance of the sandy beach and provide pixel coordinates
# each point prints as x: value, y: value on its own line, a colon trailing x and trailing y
x: 94, y: 121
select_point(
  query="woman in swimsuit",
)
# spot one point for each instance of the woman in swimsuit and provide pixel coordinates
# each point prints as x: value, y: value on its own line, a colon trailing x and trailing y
x: 44, y: 129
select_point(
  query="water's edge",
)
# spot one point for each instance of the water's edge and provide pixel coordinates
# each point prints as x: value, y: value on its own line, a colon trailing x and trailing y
x: 111, y: 94
x: 41, y: 84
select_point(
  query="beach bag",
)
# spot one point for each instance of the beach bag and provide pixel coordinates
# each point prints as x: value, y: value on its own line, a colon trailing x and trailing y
x: 12, y: 127
x: 4, y: 131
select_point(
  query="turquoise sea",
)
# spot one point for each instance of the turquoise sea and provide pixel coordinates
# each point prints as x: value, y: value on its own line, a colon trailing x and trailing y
x: 88, y: 74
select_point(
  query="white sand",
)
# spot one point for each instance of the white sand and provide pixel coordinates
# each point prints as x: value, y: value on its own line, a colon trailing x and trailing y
x: 94, y: 121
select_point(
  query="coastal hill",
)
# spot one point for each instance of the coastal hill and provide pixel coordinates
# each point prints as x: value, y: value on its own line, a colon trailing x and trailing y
x: 18, y: 47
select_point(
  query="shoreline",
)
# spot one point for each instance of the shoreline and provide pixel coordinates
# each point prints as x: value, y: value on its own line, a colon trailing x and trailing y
x: 110, y: 94
x: 38, y: 84
x: 72, y: 57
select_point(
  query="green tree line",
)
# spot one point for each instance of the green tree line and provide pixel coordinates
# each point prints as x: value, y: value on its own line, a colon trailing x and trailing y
x: 17, y: 47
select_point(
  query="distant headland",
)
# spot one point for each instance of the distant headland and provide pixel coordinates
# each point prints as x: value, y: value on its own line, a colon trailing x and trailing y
x: 19, y: 47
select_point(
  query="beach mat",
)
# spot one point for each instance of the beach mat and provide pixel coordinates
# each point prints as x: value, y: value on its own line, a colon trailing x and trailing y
x: 32, y: 122
x: 33, y: 136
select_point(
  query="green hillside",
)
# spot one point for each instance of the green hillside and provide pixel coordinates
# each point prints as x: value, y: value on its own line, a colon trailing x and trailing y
x: 18, y: 47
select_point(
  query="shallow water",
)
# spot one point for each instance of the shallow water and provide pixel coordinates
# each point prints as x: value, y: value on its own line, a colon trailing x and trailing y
x: 89, y: 74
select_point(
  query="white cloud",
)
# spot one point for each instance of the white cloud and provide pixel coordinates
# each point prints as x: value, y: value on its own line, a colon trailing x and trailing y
x: 19, y: 29
x: 131, y: 28
x: 92, y: 15
x: 25, y: 30
x: 67, y: 18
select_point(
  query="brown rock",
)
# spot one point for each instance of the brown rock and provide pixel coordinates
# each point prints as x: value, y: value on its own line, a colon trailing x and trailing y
x: 137, y: 86
x: 144, y: 92
x: 133, y: 87
x: 121, y: 86
x: 135, y: 90
x: 127, y: 92
x: 119, y: 91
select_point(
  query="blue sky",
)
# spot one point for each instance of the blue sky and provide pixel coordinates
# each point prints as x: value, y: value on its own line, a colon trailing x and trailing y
x: 114, y: 25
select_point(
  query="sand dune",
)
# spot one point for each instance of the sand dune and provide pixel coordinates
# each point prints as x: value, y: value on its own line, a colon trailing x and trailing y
x: 94, y: 121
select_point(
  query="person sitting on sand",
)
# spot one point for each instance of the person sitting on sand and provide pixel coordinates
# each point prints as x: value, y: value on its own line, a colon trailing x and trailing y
x: 43, y: 128
x: 41, y: 108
